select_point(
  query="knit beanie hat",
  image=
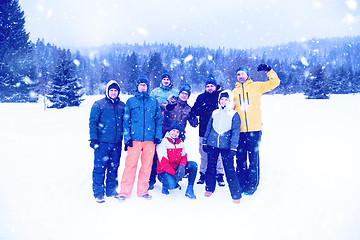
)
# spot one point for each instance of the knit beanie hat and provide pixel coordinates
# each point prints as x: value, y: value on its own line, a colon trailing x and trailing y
x: 211, y: 80
x: 186, y: 88
x: 175, y: 125
x: 142, y: 79
x: 244, y: 69
x: 166, y: 74
x: 115, y: 86
x: 224, y: 94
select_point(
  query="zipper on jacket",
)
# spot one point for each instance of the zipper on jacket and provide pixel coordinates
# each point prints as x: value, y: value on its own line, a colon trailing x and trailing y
x: 144, y: 117
x: 116, y: 122
x: 247, y: 128
x: 221, y: 116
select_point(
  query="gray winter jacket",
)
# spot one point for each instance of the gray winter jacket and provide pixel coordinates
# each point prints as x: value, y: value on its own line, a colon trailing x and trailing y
x: 223, y: 129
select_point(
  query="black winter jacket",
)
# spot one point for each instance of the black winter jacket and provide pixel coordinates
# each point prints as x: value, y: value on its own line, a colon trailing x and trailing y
x: 204, y: 105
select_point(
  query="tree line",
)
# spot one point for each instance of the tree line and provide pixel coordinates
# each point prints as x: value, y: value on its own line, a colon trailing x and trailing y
x: 317, y: 68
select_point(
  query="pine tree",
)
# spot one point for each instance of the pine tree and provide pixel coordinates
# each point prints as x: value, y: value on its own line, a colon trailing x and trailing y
x: 16, y: 62
x: 155, y: 70
x: 317, y: 85
x: 65, y: 88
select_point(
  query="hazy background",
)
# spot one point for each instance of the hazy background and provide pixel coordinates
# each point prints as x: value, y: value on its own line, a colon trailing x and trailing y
x: 231, y: 24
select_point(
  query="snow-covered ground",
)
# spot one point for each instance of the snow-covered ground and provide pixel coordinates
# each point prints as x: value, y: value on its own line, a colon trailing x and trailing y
x: 309, y: 186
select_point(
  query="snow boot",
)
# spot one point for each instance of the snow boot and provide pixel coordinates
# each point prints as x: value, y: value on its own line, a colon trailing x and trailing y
x: 165, y: 190
x: 201, y: 179
x: 220, y: 180
x: 190, y: 192
x: 146, y: 196
x: 100, y: 199
x: 208, y: 194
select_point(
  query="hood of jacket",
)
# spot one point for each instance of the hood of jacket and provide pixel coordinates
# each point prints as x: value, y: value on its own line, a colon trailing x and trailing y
x: 231, y: 104
x: 107, y: 89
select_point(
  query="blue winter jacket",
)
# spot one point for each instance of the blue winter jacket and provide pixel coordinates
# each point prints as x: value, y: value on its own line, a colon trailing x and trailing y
x: 142, y: 118
x: 106, y: 119
x: 223, y: 129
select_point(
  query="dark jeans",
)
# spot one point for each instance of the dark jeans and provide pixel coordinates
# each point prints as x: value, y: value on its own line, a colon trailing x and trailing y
x: 169, y: 181
x: 152, y: 179
x: 106, y: 160
x: 248, y: 174
x: 228, y: 162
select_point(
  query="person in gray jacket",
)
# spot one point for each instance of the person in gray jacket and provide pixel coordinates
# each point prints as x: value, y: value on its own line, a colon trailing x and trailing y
x: 222, y: 137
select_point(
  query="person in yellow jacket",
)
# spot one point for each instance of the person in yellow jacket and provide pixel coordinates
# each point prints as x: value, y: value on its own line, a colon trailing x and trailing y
x: 247, y: 97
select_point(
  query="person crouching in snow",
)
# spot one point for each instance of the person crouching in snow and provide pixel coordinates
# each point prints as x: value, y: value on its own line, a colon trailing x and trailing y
x: 222, y: 137
x: 173, y: 164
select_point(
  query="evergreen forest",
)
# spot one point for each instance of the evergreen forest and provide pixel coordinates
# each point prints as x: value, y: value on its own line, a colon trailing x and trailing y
x: 317, y: 67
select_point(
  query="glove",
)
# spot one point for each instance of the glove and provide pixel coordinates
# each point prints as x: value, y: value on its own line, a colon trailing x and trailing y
x: 129, y: 143
x: 264, y: 67
x: 205, y: 148
x: 94, y: 143
x: 170, y: 106
x: 180, y: 173
x: 157, y: 141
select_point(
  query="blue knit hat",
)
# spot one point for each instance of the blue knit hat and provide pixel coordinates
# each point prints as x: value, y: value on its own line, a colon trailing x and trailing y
x: 244, y: 69
x: 211, y: 80
x: 176, y: 125
x: 186, y: 88
x: 142, y: 79
x: 166, y: 74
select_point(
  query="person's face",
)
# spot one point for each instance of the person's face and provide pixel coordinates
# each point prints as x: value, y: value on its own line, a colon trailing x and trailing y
x: 241, y: 76
x: 142, y: 87
x: 174, y: 133
x: 113, y: 93
x: 210, y: 88
x: 165, y: 81
x: 184, y: 96
x: 223, y: 101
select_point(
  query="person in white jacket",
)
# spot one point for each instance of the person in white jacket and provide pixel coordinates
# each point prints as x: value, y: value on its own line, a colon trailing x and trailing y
x: 222, y: 137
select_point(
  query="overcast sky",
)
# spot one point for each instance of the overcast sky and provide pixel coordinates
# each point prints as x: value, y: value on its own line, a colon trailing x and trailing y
x: 224, y: 23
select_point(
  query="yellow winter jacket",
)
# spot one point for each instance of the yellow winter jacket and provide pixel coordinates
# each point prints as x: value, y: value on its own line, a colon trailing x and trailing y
x: 247, y: 97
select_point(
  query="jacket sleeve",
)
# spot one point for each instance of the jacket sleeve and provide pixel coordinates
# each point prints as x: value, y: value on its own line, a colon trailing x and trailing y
x: 208, y: 129
x: 235, y: 131
x: 158, y: 122
x: 183, y: 160
x: 126, y: 122
x: 197, y: 106
x: 163, y: 158
x: 192, y: 119
x: 166, y: 103
x: 94, y: 121
x: 272, y: 83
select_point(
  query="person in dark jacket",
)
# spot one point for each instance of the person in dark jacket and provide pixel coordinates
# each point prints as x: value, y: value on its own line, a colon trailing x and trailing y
x: 106, y: 134
x: 142, y: 130
x: 204, y: 105
x: 222, y: 138
x: 177, y: 109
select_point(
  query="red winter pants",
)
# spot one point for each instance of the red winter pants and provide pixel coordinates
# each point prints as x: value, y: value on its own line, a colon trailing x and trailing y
x: 147, y: 150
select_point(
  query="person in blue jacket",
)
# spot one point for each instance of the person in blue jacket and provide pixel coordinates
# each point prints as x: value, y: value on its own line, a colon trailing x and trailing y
x: 222, y: 138
x: 106, y: 134
x: 142, y: 131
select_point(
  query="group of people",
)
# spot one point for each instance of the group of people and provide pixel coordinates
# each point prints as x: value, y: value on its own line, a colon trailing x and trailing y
x: 152, y: 127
